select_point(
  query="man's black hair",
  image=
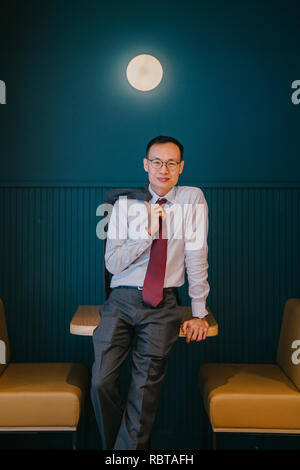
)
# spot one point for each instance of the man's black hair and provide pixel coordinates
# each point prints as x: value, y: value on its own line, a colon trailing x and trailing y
x: 162, y: 139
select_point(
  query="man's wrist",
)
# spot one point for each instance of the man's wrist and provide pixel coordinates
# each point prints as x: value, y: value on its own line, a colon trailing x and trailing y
x: 199, y: 309
x: 200, y: 318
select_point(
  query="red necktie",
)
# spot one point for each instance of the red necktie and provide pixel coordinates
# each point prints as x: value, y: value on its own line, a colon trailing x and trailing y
x: 155, y: 275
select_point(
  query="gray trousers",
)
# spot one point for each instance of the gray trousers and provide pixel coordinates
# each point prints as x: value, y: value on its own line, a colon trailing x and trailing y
x: 127, y: 426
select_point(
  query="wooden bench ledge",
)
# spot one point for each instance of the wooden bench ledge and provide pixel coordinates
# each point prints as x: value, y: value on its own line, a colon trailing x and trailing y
x: 87, y: 317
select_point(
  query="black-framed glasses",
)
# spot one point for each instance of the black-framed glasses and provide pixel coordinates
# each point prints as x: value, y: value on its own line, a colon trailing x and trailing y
x: 156, y: 163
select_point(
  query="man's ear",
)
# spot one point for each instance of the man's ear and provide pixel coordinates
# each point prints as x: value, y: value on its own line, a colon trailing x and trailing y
x: 181, y: 166
x: 146, y: 164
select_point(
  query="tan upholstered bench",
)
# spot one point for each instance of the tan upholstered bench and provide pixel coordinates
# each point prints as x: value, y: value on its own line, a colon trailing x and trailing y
x: 39, y: 396
x: 257, y: 398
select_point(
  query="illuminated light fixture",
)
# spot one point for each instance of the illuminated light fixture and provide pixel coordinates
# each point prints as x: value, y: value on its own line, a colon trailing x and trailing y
x: 144, y: 72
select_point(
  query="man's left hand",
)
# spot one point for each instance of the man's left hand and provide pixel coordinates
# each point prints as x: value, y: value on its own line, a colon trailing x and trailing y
x: 195, y: 329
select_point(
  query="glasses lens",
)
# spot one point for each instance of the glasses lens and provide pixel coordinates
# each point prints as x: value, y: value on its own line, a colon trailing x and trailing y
x: 156, y: 163
x: 172, y: 165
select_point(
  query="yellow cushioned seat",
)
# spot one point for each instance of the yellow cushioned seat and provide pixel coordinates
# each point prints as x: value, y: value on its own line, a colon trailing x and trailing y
x: 42, y: 394
x: 257, y: 397
x: 245, y: 396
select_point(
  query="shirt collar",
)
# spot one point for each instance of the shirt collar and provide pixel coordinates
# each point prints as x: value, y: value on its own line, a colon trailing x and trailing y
x: 170, y: 196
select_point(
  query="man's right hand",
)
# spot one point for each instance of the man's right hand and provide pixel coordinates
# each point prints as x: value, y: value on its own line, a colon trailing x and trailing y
x: 155, y: 211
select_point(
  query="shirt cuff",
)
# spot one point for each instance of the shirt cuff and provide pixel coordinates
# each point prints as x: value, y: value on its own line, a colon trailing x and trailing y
x: 198, y: 309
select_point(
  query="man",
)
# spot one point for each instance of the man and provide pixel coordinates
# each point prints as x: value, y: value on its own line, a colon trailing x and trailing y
x: 142, y: 304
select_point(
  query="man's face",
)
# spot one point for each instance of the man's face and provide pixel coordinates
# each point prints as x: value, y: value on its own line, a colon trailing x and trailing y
x: 163, y: 179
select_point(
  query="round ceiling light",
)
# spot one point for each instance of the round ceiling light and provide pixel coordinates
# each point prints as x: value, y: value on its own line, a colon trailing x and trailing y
x: 144, y: 72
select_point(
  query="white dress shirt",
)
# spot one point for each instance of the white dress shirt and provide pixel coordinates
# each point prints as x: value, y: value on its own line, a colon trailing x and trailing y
x: 128, y: 247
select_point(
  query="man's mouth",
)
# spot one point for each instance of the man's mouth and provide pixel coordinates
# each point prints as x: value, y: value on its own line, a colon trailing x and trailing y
x: 163, y: 180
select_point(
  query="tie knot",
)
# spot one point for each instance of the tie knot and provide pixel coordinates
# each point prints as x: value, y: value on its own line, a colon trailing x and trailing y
x: 161, y: 201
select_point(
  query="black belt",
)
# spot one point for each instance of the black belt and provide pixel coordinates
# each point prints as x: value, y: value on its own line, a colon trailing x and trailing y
x: 166, y: 289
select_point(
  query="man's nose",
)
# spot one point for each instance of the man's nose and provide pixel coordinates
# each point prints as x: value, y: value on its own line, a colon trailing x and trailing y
x: 164, y: 168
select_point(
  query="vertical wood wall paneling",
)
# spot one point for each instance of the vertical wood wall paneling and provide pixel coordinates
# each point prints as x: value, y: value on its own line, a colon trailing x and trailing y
x: 52, y: 261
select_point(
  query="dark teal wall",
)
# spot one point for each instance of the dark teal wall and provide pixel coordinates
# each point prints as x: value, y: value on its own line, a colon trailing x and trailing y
x: 226, y: 92
x: 73, y: 127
